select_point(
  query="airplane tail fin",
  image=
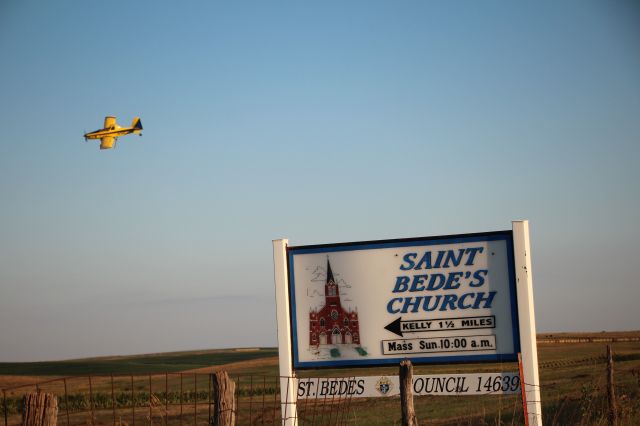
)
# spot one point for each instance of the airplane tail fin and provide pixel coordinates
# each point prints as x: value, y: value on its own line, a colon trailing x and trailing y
x: 137, y: 125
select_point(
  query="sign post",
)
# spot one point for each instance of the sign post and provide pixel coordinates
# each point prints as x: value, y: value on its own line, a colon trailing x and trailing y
x: 288, y: 385
x: 524, y: 283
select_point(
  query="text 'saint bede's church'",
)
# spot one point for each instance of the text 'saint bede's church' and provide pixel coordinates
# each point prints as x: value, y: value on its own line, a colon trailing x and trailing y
x: 332, y: 324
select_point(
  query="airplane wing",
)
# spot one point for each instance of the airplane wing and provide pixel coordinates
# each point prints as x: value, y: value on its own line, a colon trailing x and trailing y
x: 109, y: 122
x: 107, y: 142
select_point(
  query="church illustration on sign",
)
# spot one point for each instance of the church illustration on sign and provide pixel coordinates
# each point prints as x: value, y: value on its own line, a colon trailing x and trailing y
x: 332, y: 324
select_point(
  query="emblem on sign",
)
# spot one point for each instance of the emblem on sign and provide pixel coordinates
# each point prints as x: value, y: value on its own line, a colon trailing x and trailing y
x: 384, y: 385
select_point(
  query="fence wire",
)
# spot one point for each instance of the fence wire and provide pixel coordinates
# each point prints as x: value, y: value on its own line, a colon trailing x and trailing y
x: 168, y: 399
x: 579, y: 397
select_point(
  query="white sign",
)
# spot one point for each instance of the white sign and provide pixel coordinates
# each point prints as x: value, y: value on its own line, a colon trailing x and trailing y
x: 437, y: 384
x: 432, y: 300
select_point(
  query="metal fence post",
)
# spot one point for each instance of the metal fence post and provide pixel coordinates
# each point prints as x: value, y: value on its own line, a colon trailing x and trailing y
x: 613, y: 412
x: 150, y: 401
x: 91, y: 401
x: 209, y: 397
x: 4, y: 404
x: 66, y: 400
x: 133, y: 404
x: 113, y: 402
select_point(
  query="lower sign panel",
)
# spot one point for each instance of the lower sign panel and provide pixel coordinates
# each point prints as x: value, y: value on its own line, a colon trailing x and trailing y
x: 439, y: 344
x: 436, y: 384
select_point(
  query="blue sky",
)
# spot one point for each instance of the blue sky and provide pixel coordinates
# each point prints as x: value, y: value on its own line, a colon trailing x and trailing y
x: 317, y: 122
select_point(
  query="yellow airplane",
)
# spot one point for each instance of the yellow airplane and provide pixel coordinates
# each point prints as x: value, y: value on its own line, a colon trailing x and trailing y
x: 112, y: 131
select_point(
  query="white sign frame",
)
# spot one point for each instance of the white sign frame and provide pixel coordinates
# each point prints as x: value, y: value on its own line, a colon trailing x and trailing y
x: 526, y: 327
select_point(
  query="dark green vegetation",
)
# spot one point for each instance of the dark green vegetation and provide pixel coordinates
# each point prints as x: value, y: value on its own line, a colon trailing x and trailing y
x: 140, y: 364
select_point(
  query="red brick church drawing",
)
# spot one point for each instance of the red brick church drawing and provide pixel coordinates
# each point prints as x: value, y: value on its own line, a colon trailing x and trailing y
x: 332, y: 324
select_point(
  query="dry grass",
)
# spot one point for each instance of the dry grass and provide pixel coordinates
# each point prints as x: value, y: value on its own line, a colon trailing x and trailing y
x: 241, y: 367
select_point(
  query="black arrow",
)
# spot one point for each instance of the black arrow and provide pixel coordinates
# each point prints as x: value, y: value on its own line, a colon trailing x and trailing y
x: 417, y: 326
x: 394, y: 327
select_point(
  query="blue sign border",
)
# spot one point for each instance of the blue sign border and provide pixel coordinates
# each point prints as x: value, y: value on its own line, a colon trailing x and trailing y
x: 506, y: 236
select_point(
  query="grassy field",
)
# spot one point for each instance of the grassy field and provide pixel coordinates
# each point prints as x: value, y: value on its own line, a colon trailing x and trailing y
x: 573, y: 386
x: 138, y: 364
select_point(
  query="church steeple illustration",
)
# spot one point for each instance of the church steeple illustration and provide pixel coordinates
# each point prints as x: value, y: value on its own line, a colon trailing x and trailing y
x: 331, y: 324
x: 329, y: 272
x: 331, y: 289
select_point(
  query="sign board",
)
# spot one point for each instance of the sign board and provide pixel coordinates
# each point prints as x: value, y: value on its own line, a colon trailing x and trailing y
x: 432, y: 300
x: 435, y: 384
x: 446, y: 299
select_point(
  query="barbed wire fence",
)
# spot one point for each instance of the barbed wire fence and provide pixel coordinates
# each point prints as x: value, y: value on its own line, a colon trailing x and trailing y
x: 170, y: 398
x: 188, y: 399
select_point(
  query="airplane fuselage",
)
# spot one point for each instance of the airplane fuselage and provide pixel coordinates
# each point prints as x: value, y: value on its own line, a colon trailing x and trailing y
x: 113, y: 132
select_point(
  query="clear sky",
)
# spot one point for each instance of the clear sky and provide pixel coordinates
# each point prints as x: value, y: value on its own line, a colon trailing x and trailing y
x: 319, y: 122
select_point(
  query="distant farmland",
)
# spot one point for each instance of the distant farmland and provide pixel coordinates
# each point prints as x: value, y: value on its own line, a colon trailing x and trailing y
x: 138, y: 364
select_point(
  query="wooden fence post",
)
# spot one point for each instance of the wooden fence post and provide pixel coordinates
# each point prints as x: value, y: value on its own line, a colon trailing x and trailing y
x: 224, y: 408
x: 613, y: 412
x: 40, y: 409
x: 406, y: 394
